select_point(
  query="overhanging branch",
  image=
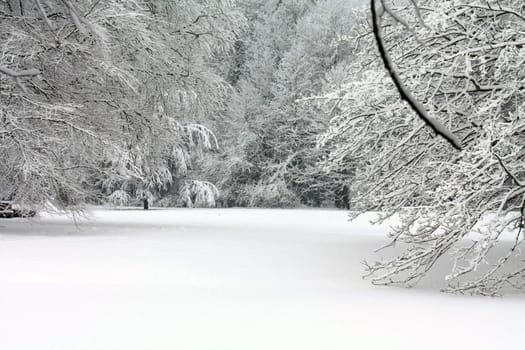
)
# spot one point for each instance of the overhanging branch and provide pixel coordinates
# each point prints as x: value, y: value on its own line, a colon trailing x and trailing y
x: 416, y: 106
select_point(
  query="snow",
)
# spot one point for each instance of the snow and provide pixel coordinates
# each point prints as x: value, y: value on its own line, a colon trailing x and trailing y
x: 225, y: 279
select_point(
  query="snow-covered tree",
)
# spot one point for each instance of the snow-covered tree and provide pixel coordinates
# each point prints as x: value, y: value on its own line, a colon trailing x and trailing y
x: 197, y: 193
x: 319, y: 46
x: 283, y: 58
x: 82, y: 82
x: 462, y: 62
x: 156, y: 166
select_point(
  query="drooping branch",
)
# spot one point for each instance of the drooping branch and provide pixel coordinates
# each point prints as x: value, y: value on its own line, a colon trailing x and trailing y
x: 416, y: 106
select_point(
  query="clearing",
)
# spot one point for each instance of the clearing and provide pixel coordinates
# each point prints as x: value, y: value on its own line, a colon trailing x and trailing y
x: 225, y: 279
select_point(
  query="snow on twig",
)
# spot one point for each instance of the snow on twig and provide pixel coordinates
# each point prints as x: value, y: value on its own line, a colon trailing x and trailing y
x: 416, y: 106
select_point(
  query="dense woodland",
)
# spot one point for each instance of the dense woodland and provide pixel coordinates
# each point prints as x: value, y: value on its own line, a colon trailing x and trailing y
x: 277, y: 104
x: 186, y: 104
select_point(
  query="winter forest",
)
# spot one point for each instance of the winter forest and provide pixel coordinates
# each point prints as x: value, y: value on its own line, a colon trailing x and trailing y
x: 402, y: 118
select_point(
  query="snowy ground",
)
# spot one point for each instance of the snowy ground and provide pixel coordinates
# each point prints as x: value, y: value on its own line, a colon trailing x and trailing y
x: 225, y: 280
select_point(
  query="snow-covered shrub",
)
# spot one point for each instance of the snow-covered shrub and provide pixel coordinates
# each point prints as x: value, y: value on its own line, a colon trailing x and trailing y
x: 274, y: 195
x: 169, y: 201
x: 199, y: 194
x: 119, y: 198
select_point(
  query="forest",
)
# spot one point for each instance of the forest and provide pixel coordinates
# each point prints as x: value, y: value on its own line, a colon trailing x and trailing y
x: 408, y: 108
x: 198, y: 105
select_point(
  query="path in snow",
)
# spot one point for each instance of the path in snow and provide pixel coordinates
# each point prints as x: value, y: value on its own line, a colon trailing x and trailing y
x: 222, y: 280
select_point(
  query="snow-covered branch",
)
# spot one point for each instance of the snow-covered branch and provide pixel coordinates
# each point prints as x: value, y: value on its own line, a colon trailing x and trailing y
x: 464, y: 63
x: 406, y: 95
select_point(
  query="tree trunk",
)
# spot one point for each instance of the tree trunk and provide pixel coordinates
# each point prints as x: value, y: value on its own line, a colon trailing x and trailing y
x: 146, y: 203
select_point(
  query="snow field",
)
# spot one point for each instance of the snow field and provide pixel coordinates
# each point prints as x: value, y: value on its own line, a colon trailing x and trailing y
x: 225, y: 279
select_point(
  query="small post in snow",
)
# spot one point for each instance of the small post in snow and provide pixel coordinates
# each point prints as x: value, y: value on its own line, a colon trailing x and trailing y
x: 145, y: 202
